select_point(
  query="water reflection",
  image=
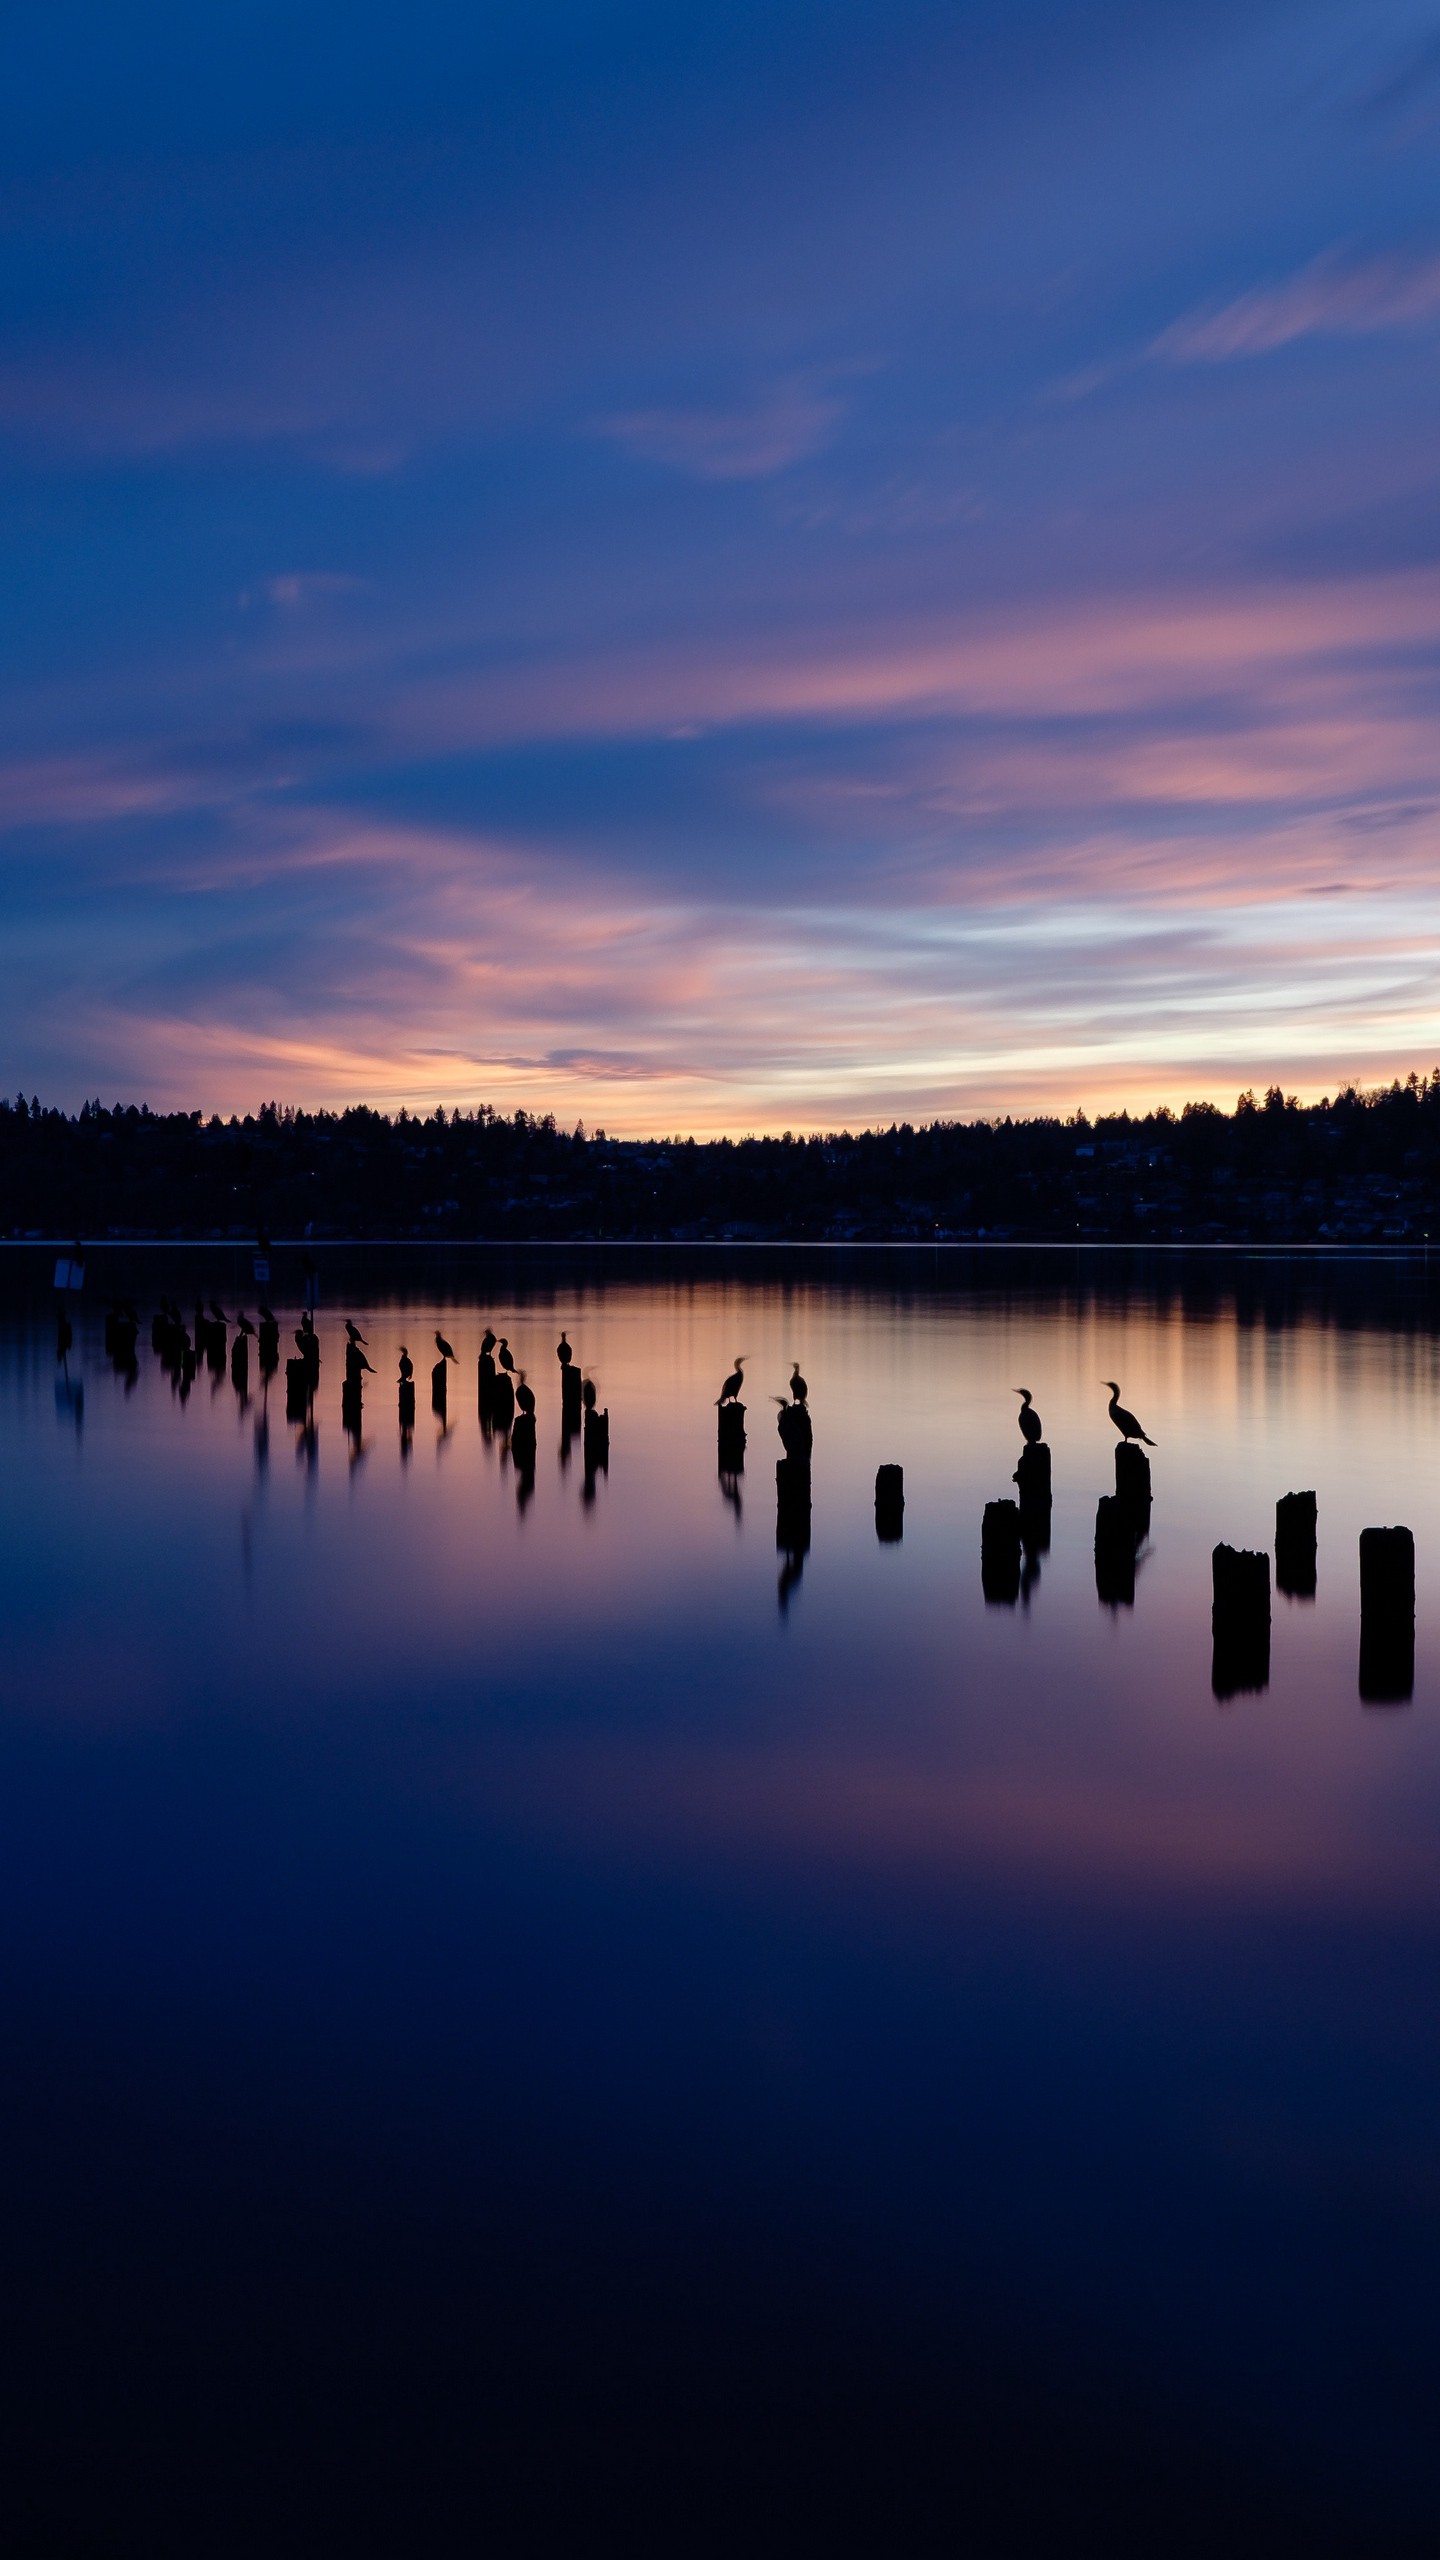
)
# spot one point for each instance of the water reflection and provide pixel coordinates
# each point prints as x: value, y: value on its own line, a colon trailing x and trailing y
x: 472, y: 1879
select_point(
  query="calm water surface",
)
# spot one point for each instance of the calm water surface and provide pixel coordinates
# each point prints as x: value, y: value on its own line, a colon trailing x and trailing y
x: 530, y: 2025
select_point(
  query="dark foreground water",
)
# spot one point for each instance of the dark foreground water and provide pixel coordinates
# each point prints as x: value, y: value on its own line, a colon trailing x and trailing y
x: 541, y: 2026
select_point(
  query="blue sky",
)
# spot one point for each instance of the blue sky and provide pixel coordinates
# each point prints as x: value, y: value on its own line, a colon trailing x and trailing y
x: 774, y: 566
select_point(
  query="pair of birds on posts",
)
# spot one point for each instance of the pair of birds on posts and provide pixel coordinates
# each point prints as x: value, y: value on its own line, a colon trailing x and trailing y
x: 1125, y: 1422
x: 524, y: 1395
x: 730, y: 1392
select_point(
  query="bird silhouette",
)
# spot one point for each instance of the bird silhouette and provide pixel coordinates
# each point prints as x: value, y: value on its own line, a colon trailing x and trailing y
x: 525, y: 1396
x: 487, y: 1342
x: 734, y: 1382
x: 267, y: 1314
x: 354, y: 1331
x: 798, y: 1388
x: 243, y: 1322
x: 1030, y: 1428
x: 1125, y: 1423
x: 443, y: 1347
x: 360, y: 1360
x: 218, y: 1313
x: 407, y: 1367
x: 563, y: 1352
x: 505, y: 1355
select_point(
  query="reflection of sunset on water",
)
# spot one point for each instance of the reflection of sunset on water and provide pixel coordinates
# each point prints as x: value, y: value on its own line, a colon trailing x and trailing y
x: 583, y: 1858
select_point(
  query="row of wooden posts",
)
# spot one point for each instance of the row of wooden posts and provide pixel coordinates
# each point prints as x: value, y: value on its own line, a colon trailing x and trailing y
x: 1013, y: 1532
x: 578, y: 1410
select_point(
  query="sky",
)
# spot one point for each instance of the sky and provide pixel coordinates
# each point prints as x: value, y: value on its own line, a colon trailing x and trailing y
x: 762, y: 567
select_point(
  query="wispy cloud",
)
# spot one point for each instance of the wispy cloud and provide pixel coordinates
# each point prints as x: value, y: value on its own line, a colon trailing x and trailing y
x: 290, y: 590
x: 1335, y: 296
x: 749, y: 440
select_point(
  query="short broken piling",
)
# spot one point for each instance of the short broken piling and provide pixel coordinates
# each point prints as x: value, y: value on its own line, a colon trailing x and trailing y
x: 1116, y: 1540
x: 1387, y: 1617
x: 1000, y: 1553
x: 890, y: 1505
x: 1132, y: 1481
x: 1239, y: 1621
x: 730, y: 1438
x: 1295, y: 1518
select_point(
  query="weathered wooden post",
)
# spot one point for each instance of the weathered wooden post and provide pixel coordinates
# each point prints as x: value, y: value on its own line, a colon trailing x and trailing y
x: 1239, y: 1620
x: 797, y: 1436
x: 890, y: 1505
x: 1116, y: 1539
x: 730, y: 1438
x: 1295, y: 1518
x: 1000, y: 1551
x: 1032, y: 1484
x: 1387, y: 1617
x: 1132, y: 1481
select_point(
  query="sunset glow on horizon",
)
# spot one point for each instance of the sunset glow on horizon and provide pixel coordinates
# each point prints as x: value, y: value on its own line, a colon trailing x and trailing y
x: 830, y: 566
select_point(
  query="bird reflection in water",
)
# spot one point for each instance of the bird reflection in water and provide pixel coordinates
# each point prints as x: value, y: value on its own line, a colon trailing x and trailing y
x: 730, y: 1490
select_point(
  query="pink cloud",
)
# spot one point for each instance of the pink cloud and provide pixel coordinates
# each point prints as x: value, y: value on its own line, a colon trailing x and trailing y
x: 1333, y: 297
x: 749, y: 441
x: 1082, y: 657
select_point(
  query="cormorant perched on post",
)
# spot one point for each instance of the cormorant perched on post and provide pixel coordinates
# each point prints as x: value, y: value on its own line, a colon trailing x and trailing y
x: 798, y: 1388
x: 525, y: 1396
x: 487, y: 1342
x: 407, y: 1367
x: 1125, y: 1423
x: 354, y: 1331
x: 1030, y: 1428
x: 218, y: 1313
x: 443, y: 1347
x: 506, y: 1356
x: 243, y: 1323
x: 733, y: 1384
x: 563, y: 1352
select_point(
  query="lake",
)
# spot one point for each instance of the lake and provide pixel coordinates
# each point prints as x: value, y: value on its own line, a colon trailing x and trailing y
x: 537, y: 2019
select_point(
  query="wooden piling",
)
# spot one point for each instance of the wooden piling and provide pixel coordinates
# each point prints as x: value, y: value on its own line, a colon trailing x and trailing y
x: 1295, y: 1522
x: 730, y: 1437
x: 1116, y: 1539
x: 1239, y: 1621
x: 890, y: 1505
x: 1387, y: 1617
x: 796, y: 1431
x: 1032, y: 1476
x: 1000, y: 1552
